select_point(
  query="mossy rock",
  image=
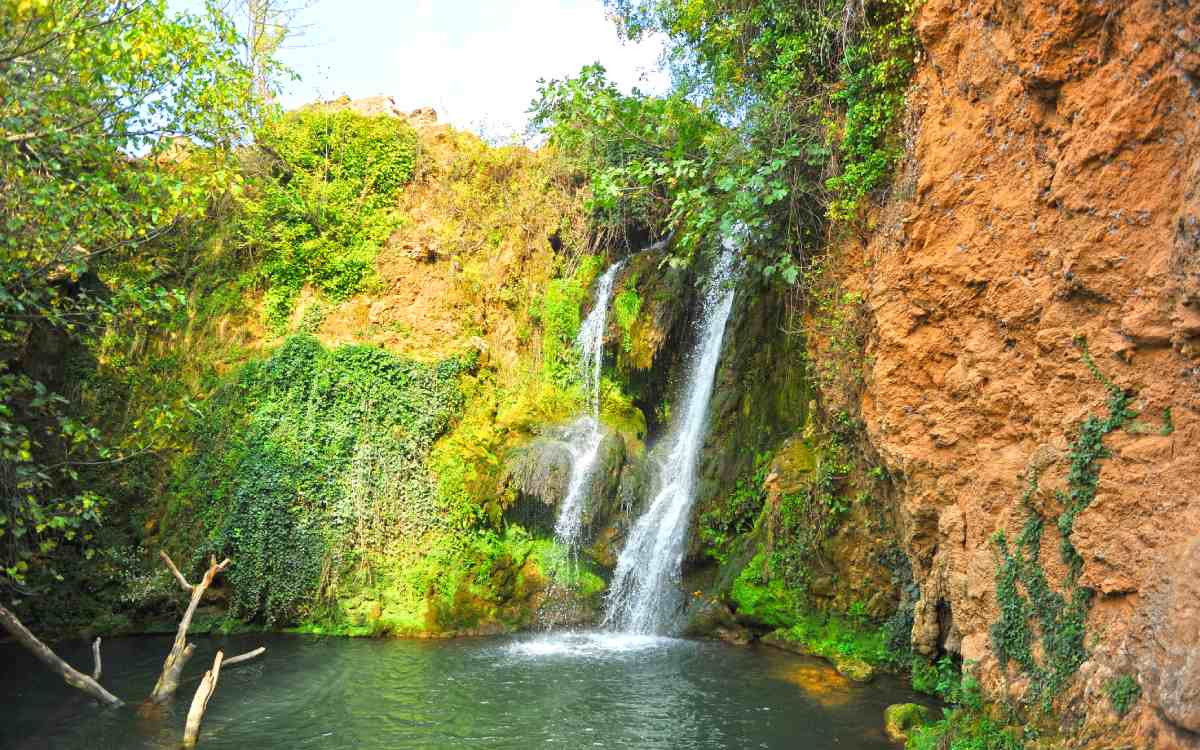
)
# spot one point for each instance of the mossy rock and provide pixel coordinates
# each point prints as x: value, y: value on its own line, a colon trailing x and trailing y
x: 853, y: 668
x: 899, y: 719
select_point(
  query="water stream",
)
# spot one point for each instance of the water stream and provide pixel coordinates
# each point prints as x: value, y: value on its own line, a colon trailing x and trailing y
x: 586, y: 433
x: 569, y: 691
x: 644, y: 596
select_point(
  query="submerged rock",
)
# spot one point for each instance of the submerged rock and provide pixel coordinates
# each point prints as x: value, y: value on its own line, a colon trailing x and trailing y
x: 853, y: 668
x: 850, y: 667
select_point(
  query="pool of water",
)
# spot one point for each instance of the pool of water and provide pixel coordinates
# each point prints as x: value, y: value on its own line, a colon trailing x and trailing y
x: 569, y: 690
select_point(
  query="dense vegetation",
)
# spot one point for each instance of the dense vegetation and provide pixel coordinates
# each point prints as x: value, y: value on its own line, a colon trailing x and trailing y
x: 93, y: 95
x: 324, y: 201
x: 781, y: 119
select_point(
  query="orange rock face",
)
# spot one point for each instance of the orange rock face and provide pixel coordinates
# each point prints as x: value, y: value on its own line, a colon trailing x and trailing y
x: 1051, y: 192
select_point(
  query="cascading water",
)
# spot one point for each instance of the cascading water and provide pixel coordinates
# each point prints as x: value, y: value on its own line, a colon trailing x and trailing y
x: 644, y: 595
x: 585, y: 435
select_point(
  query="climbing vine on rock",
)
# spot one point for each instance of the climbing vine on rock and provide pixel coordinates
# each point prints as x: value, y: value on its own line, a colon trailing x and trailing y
x: 1024, y: 595
x: 314, y: 458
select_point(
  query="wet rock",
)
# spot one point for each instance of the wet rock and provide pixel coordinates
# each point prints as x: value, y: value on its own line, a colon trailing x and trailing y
x: 901, y: 718
x: 539, y: 472
x: 850, y: 667
x: 709, y: 617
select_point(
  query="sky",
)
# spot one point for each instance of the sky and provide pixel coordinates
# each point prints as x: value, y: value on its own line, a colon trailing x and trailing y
x: 476, y: 62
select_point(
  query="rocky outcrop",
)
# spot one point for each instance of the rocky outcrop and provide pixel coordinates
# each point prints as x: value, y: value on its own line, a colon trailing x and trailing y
x: 1051, y: 195
x: 539, y: 472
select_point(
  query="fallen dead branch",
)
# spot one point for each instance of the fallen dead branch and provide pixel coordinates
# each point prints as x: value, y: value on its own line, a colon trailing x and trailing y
x: 204, y: 691
x: 181, y: 650
x: 72, y: 676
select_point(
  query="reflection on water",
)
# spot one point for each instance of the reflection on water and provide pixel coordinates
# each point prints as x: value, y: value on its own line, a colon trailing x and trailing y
x: 568, y: 690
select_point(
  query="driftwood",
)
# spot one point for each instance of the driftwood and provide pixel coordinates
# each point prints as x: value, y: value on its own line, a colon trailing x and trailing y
x: 243, y: 657
x: 181, y: 650
x: 73, y: 677
x: 168, y: 681
x: 204, y: 691
x: 96, y: 669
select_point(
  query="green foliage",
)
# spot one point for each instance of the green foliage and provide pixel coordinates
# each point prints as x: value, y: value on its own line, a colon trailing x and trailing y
x: 326, y: 199
x: 1123, y: 692
x: 313, y: 458
x: 628, y: 305
x: 726, y: 521
x: 964, y: 729
x: 560, y: 319
x: 804, y: 520
x: 874, y: 76
x: 630, y: 146
x: 945, y: 680
x: 1024, y: 594
x: 91, y: 179
x: 770, y: 98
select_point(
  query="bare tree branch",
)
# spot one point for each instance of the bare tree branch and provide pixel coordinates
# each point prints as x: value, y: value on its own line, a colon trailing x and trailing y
x: 97, y: 669
x: 70, y: 675
x: 245, y: 657
x: 205, y: 691
x: 181, y: 650
x: 175, y: 571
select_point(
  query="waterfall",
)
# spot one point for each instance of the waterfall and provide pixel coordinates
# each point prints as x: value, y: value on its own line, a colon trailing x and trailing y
x: 585, y: 434
x: 644, y: 595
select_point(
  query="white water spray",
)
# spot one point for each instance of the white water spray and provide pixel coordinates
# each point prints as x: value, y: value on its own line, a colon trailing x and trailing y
x: 645, y: 596
x: 585, y: 434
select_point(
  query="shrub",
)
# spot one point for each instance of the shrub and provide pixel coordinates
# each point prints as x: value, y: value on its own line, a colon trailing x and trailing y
x: 325, y: 202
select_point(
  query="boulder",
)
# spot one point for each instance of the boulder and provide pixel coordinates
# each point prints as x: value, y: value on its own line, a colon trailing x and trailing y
x: 900, y: 719
x: 709, y: 617
x: 539, y: 473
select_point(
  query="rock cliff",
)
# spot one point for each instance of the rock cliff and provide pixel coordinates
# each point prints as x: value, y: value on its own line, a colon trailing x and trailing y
x: 1048, y: 207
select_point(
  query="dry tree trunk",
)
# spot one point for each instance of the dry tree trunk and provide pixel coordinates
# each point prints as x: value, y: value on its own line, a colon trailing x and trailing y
x: 204, y: 691
x: 96, y: 668
x: 73, y: 677
x: 181, y: 650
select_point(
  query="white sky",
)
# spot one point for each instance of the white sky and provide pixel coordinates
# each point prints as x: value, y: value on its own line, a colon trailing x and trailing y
x: 476, y: 61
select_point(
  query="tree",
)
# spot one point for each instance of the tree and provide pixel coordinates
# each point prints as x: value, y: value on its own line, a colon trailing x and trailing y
x: 117, y: 124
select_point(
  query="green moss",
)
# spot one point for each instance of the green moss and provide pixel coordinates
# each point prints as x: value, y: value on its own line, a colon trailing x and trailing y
x: 722, y: 524
x: 1123, y: 692
x: 627, y: 305
x: 768, y: 602
x: 833, y: 637
x: 559, y: 314
x: 962, y: 729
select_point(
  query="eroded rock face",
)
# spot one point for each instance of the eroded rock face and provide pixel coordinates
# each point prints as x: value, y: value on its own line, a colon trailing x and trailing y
x: 1163, y: 642
x: 1052, y: 192
x: 539, y: 473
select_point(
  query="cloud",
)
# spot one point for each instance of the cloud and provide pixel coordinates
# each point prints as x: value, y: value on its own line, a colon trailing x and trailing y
x: 476, y: 61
